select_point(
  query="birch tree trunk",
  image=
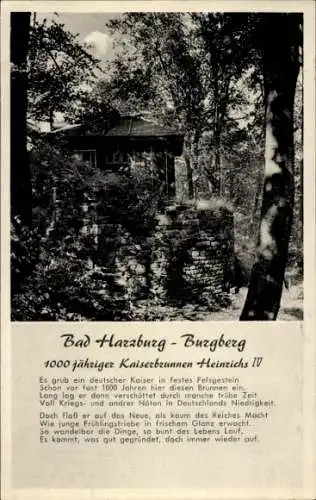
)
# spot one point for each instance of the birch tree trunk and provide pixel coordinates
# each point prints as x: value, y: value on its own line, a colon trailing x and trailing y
x: 281, y: 67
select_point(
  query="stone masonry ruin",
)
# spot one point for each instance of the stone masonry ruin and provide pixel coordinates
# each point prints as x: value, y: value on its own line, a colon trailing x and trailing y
x: 189, y: 256
x: 186, y: 253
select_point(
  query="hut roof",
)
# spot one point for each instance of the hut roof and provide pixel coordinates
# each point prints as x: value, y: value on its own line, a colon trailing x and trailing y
x: 126, y: 126
x: 139, y: 127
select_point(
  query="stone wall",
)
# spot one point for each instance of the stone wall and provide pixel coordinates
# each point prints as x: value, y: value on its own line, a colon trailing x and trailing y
x: 196, y: 254
x: 189, y: 255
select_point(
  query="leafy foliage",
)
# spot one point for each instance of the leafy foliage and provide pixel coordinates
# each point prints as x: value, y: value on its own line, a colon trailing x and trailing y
x: 184, y: 69
x: 51, y: 294
x: 59, y: 70
x: 59, y: 270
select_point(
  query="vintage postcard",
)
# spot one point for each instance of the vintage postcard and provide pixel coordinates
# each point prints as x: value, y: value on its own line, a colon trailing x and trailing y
x: 158, y: 250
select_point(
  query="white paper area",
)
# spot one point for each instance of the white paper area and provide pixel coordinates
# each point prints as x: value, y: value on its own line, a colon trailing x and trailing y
x: 237, y: 466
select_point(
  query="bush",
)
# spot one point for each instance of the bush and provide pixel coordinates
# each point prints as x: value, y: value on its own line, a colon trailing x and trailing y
x: 63, y: 287
x: 89, y: 255
x: 24, y: 252
x: 52, y: 275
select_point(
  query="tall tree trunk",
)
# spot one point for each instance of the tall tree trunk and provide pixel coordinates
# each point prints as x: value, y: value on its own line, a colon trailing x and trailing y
x: 216, y: 140
x: 195, y: 142
x: 222, y: 110
x: 256, y: 204
x: 217, y: 165
x: 188, y: 162
x: 51, y: 119
x: 21, y: 193
x: 301, y: 203
x: 281, y: 67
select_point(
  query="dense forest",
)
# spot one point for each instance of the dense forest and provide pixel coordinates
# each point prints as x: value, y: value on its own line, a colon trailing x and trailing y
x: 83, y: 240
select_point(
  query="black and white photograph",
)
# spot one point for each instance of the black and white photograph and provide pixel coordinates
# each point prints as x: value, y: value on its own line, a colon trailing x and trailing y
x: 156, y: 166
x: 158, y: 209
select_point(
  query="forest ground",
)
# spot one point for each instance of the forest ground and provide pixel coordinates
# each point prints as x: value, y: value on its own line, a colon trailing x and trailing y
x: 291, y: 308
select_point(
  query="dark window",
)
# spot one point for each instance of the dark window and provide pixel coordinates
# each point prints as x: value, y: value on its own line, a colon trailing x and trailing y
x: 87, y: 156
